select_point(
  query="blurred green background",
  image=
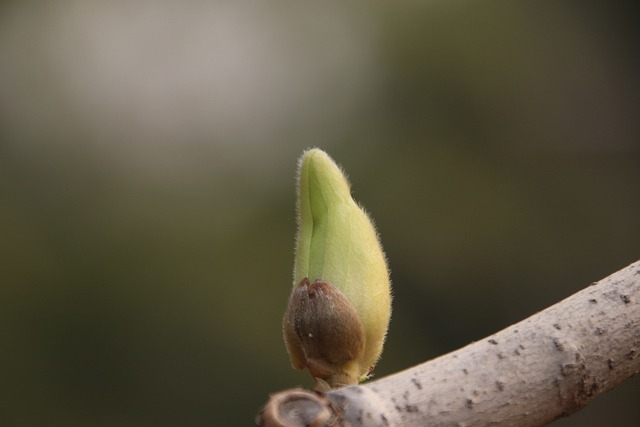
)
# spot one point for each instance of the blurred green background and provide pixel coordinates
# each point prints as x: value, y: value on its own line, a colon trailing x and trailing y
x: 147, y: 161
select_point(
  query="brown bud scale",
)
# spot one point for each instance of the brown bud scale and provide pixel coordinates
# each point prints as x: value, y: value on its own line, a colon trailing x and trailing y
x: 323, y: 332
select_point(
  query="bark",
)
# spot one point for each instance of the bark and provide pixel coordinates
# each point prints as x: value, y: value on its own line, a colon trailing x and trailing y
x: 547, y: 366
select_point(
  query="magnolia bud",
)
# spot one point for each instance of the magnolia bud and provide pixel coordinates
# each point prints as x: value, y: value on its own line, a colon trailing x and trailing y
x: 340, y: 305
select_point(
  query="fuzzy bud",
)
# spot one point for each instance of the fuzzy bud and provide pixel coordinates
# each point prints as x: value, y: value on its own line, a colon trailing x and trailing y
x: 340, y: 305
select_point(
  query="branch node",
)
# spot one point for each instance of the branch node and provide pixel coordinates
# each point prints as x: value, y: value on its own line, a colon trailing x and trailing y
x: 296, y: 407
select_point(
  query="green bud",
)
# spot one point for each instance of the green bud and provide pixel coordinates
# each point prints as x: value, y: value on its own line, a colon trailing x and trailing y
x: 340, y: 305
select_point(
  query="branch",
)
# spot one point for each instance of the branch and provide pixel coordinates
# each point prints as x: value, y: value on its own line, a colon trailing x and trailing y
x: 545, y: 367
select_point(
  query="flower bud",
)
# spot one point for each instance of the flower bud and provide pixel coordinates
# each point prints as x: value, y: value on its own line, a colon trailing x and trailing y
x: 340, y: 305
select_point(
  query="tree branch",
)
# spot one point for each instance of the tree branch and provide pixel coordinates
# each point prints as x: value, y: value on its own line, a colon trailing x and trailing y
x: 545, y: 367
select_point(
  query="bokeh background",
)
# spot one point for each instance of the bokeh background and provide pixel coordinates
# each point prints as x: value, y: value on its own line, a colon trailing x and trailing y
x: 147, y: 161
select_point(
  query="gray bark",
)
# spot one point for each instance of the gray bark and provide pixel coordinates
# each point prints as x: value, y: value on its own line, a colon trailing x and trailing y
x: 547, y: 366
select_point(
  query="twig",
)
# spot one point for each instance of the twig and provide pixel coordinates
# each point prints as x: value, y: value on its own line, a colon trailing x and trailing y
x: 529, y: 374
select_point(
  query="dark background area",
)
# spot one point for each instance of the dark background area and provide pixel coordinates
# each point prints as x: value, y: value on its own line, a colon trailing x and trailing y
x: 147, y: 162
